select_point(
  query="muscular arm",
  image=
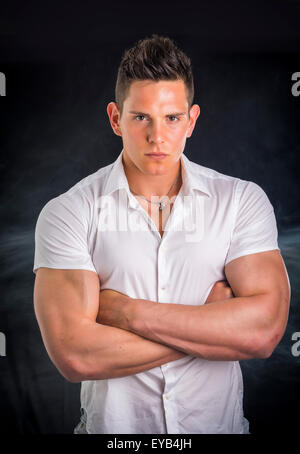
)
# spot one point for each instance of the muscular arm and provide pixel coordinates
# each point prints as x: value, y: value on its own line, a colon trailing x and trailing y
x: 66, y: 304
x: 247, y: 326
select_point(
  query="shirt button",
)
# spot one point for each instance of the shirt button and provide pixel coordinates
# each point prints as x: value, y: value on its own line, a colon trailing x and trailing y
x: 168, y: 396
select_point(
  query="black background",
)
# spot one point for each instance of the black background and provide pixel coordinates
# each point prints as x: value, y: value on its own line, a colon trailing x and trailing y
x: 60, y: 62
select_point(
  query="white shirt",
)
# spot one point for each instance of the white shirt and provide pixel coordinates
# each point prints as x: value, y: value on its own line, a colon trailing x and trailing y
x: 79, y: 230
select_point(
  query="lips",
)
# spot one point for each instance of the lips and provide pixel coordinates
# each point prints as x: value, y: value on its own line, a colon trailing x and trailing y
x: 156, y: 155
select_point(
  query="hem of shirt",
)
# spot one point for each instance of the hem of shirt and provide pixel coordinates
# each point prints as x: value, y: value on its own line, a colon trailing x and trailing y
x: 251, y: 251
x: 64, y: 267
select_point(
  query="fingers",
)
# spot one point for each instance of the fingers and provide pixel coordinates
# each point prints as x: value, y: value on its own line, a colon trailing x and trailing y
x: 225, y: 288
x: 220, y: 291
x: 222, y: 284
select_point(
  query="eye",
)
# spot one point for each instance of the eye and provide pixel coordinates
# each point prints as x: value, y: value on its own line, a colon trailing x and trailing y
x: 173, y: 118
x: 139, y: 117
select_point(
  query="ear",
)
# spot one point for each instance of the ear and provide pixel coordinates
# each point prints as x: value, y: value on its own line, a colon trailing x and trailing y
x: 114, y: 117
x: 194, y: 114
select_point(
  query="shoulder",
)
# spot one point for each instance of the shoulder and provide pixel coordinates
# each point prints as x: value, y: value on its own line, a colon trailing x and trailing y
x: 219, y: 183
x: 210, y: 174
x: 241, y: 193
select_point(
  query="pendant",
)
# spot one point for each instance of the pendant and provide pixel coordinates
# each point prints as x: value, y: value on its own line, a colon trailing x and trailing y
x: 163, y: 203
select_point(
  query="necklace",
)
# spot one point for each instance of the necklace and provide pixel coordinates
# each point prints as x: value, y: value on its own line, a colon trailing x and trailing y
x: 162, y: 203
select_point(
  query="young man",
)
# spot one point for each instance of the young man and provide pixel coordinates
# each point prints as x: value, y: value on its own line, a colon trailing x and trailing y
x: 160, y: 236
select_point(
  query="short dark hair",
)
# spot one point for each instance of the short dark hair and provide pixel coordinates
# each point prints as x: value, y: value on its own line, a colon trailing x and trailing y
x: 156, y: 58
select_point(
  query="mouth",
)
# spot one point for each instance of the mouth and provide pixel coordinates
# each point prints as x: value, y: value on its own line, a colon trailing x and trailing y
x: 156, y: 155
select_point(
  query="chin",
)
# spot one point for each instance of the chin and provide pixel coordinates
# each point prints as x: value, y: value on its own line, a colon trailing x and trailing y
x: 155, y: 169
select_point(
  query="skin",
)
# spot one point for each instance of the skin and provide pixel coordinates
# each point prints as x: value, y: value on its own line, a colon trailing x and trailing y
x: 90, y: 337
x: 153, y: 127
x: 66, y: 304
x: 249, y: 324
x: 155, y: 118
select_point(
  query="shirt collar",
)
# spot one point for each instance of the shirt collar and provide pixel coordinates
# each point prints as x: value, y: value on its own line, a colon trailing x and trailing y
x: 116, y: 177
x: 192, y: 180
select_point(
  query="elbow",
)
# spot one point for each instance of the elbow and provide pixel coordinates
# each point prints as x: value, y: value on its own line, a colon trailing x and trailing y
x: 78, y: 369
x: 265, y: 351
x: 72, y: 369
x: 271, y: 332
x: 266, y: 343
x: 70, y: 373
x: 72, y: 376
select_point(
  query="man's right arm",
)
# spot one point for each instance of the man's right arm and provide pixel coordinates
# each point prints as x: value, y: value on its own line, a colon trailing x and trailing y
x: 66, y: 305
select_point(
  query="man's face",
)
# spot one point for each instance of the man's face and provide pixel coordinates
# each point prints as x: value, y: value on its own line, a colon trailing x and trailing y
x: 155, y: 119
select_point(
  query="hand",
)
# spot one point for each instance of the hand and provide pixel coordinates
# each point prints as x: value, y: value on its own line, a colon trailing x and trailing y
x: 112, y: 305
x: 220, y: 291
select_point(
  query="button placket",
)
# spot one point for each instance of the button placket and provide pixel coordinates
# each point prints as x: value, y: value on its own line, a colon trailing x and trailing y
x: 133, y: 203
x: 161, y: 274
x: 171, y: 413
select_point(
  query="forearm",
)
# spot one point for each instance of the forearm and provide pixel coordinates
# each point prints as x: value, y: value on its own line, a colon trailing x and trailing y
x: 224, y: 330
x: 108, y: 352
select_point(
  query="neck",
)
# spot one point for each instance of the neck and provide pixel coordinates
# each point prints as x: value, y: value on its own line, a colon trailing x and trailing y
x: 152, y: 185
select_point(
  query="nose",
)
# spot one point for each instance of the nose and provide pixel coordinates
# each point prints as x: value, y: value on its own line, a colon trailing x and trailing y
x: 155, y: 133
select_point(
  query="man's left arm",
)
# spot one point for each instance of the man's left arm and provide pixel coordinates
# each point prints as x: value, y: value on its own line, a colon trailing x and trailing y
x: 250, y: 325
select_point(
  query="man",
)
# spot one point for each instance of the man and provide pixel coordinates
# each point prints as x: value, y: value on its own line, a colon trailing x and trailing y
x: 187, y: 261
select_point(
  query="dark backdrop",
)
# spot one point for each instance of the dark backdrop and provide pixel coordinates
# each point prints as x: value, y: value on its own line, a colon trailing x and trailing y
x: 60, y: 63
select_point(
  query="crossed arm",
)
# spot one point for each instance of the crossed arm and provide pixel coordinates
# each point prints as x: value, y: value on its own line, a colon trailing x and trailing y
x: 249, y: 325
x: 124, y: 336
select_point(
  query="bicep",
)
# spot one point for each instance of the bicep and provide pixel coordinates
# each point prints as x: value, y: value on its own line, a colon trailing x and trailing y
x: 62, y: 299
x: 265, y: 274
x: 259, y: 273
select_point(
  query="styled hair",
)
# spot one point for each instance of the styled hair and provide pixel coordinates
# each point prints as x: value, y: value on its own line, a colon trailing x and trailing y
x: 156, y: 58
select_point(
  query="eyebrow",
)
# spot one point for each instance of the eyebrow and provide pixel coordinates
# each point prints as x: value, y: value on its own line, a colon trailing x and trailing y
x: 177, y: 114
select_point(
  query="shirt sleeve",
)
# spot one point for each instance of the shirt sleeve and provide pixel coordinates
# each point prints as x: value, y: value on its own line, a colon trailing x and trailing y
x: 61, y: 236
x: 254, y: 228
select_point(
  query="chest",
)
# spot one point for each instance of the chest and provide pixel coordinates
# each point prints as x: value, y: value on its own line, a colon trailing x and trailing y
x: 158, y: 216
x: 159, y: 251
